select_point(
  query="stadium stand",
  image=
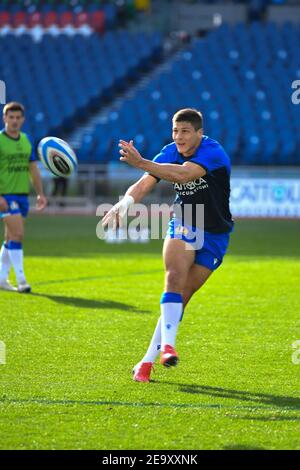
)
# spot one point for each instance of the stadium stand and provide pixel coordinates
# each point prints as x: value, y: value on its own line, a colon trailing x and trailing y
x: 240, y: 77
x: 60, y: 79
x: 99, y: 16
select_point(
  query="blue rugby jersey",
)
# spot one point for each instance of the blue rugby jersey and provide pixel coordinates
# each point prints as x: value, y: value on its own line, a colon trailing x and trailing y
x: 212, y: 190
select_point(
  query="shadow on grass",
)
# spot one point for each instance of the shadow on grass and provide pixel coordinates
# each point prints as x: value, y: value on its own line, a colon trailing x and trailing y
x: 112, y: 403
x: 258, y: 398
x: 95, y: 278
x: 265, y: 403
x: 80, y: 302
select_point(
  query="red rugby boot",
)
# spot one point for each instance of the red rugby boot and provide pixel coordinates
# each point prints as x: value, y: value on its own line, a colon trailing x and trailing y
x: 169, y: 356
x: 141, y: 372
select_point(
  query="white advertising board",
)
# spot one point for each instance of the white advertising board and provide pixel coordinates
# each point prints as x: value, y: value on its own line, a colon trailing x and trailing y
x: 265, y: 197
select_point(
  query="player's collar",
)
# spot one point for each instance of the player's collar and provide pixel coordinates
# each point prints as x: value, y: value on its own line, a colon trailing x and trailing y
x: 10, y: 137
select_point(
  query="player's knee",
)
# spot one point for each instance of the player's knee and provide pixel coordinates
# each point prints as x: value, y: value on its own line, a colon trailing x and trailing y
x: 174, y: 280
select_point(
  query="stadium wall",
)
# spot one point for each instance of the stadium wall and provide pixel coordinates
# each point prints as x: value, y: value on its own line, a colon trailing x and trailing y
x: 203, y: 17
x: 280, y: 14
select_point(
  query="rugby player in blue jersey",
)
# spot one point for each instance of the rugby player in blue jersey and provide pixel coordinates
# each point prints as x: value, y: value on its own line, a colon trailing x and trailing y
x: 199, y: 169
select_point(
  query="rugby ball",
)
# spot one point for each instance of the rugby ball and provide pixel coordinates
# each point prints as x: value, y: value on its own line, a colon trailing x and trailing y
x: 57, y: 156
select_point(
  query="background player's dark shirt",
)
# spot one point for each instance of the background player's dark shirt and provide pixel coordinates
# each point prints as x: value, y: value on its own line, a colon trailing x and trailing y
x: 212, y: 190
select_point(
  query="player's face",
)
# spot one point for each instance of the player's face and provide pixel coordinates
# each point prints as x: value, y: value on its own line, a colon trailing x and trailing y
x: 186, y: 138
x: 13, y: 121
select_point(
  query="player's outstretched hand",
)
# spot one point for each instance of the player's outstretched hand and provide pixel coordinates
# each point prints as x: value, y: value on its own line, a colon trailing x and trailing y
x: 3, y: 205
x: 41, y: 202
x: 130, y: 154
x: 112, y: 219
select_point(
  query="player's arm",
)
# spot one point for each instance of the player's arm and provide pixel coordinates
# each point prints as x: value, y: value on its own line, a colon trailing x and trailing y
x: 141, y: 188
x: 3, y: 204
x: 134, y: 194
x: 38, y: 185
x: 175, y: 173
x: 170, y: 172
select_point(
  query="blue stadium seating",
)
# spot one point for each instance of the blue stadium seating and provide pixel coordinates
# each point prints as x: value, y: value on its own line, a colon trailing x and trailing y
x: 240, y: 77
x: 61, y: 79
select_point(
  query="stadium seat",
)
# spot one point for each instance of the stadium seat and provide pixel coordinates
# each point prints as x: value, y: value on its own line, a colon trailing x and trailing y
x: 34, y: 19
x: 239, y: 76
x: 89, y: 75
x: 5, y: 18
x: 230, y: 76
x: 66, y: 18
x: 81, y: 19
x: 19, y: 18
x: 97, y: 21
x: 50, y: 18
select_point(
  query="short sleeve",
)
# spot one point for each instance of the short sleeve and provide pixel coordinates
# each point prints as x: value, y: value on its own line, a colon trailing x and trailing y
x: 33, y: 156
x: 161, y: 157
x: 211, y: 159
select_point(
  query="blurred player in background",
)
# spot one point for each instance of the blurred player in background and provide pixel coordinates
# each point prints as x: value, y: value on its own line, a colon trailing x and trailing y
x: 17, y: 166
x: 199, y: 169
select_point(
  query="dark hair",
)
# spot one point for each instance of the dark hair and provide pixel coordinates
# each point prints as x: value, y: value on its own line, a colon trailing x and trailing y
x: 13, y: 106
x: 189, y: 115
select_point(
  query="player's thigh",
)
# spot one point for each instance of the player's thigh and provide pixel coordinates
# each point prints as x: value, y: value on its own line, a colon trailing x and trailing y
x: 14, y: 227
x: 177, y: 256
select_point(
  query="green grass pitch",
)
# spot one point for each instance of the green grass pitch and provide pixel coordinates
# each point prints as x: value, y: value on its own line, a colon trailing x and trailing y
x: 70, y: 346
